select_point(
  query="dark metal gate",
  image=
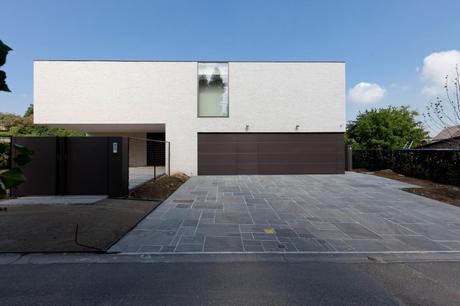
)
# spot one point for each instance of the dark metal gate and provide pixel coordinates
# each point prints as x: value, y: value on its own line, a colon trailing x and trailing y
x: 75, y: 166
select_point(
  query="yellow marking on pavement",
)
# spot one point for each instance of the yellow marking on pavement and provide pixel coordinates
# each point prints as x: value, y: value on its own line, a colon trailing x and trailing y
x: 269, y: 231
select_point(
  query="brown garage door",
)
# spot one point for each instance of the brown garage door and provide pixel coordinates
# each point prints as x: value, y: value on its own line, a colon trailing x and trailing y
x: 270, y: 153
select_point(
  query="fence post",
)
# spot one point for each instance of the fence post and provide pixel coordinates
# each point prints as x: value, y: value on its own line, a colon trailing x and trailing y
x: 348, y: 158
x: 169, y: 158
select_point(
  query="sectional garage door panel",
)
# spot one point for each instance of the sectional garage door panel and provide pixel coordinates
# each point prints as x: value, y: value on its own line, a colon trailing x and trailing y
x: 270, y: 153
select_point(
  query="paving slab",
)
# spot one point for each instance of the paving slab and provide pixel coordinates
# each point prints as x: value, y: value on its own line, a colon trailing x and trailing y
x: 295, y: 214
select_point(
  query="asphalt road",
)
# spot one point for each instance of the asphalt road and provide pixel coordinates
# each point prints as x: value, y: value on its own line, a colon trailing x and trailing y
x: 255, y: 283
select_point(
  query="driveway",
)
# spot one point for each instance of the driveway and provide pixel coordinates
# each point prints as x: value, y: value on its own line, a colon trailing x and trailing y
x: 295, y: 213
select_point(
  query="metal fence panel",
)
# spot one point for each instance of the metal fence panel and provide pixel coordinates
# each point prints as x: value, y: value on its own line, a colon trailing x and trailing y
x: 442, y: 166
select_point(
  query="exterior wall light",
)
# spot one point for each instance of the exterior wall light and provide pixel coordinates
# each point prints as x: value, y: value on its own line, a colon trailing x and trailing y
x: 247, y: 127
x: 297, y: 127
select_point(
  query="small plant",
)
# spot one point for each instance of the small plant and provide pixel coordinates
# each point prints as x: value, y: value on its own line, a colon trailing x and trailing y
x: 13, y: 177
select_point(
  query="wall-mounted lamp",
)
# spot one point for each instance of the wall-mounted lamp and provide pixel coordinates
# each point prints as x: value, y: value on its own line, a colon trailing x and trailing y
x: 247, y: 127
x: 297, y: 127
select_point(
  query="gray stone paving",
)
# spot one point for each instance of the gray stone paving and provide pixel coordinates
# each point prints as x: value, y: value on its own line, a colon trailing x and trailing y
x: 295, y: 213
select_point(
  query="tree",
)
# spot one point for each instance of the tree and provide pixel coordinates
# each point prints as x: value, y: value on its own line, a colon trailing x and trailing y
x: 216, y: 80
x: 4, y: 49
x: 442, y: 114
x: 16, y: 125
x: 29, y: 111
x: 385, y: 128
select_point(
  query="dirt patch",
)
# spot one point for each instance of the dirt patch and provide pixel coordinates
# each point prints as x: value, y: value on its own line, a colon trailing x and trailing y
x: 51, y: 228
x: 444, y: 193
x: 160, y: 189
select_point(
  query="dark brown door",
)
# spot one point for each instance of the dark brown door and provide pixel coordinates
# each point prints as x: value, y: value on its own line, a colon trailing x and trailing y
x: 270, y: 153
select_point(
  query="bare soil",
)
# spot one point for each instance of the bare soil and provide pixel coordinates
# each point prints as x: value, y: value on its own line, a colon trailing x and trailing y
x: 441, y: 192
x: 51, y: 228
x: 160, y: 189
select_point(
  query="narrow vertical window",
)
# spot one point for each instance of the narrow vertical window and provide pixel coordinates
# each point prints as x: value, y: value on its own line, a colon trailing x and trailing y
x: 212, y: 89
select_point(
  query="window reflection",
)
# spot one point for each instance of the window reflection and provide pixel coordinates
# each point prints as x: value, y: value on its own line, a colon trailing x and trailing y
x: 213, y: 89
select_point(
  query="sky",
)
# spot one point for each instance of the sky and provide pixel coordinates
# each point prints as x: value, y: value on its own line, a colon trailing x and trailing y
x: 396, y: 52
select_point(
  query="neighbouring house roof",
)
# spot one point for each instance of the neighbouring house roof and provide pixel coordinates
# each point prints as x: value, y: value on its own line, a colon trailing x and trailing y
x: 447, y: 133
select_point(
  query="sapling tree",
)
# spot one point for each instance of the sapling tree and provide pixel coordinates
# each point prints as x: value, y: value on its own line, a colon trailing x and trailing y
x: 445, y: 112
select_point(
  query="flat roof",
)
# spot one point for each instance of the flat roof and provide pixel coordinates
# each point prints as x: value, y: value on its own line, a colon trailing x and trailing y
x: 187, y: 61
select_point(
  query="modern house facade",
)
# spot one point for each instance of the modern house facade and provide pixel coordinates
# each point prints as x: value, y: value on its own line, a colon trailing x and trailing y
x: 219, y: 117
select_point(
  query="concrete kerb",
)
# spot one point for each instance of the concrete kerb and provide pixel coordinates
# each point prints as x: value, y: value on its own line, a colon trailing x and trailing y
x: 229, y: 257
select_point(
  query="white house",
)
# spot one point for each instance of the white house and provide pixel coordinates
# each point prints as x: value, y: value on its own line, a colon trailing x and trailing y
x: 219, y: 117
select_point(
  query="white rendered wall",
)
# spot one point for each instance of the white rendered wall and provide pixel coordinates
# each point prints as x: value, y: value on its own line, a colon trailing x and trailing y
x: 269, y: 97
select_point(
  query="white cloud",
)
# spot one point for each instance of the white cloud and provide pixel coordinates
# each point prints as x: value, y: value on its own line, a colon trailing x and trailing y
x: 435, y: 68
x: 366, y: 93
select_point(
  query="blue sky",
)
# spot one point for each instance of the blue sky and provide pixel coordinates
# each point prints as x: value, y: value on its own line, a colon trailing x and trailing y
x: 383, y: 42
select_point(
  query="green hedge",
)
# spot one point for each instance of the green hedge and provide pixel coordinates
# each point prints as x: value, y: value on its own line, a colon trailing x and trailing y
x: 442, y: 166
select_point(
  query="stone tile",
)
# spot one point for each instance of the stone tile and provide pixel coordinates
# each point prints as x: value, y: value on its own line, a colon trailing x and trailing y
x: 197, y: 239
x: 208, y: 214
x: 255, y: 228
x: 207, y: 221
x: 280, y: 232
x: 339, y: 245
x: 207, y: 205
x: 273, y: 246
x: 323, y: 225
x: 396, y: 245
x: 252, y: 246
x: 366, y: 245
x: 263, y: 236
x: 218, y: 230
x: 329, y: 234
x: 167, y: 248
x: 233, y: 217
x: 422, y: 243
x: 229, y: 189
x: 246, y: 236
x: 356, y: 231
x: 264, y: 216
x: 186, y: 230
x: 150, y: 248
x: 453, y: 245
x: 381, y: 225
x: 310, y: 245
x: 250, y: 200
x: 434, y: 231
x: 304, y: 233
x: 229, y: 200
x: 223, y: 244
x: 190, y: 222
x: 188, y: 248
